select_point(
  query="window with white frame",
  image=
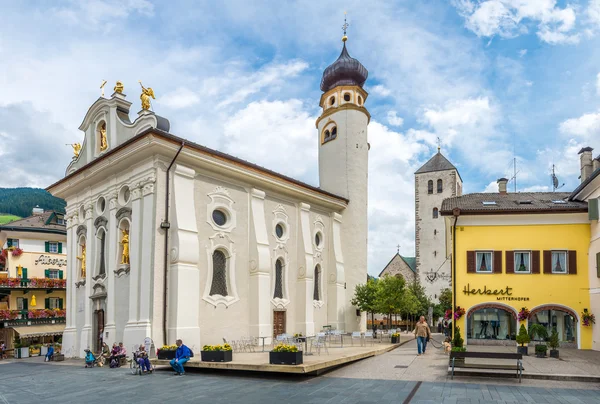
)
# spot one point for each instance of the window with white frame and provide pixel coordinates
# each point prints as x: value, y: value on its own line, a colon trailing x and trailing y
x: 54, y: 303
x: 12, y: 242
x: 522, y: 262
x: 20, y: 303
x: 559, y: 262
x: 484, y: 262
x: 53, y: 274
x: 53, y: 247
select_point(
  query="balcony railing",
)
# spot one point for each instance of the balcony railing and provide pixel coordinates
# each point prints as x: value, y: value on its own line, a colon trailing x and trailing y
x: 33, y: 283
x: 28, y: 315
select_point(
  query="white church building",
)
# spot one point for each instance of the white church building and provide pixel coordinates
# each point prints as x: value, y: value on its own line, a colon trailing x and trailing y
x: 170, y: 239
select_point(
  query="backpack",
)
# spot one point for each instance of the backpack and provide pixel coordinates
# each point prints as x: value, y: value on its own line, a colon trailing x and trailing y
x: 114, y: 363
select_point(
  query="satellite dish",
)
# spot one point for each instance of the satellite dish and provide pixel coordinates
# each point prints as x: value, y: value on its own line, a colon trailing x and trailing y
x: 554, y: 181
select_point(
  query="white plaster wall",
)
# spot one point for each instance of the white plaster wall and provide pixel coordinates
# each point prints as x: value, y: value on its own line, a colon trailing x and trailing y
x: 593, y: 274
x: 430, y: 247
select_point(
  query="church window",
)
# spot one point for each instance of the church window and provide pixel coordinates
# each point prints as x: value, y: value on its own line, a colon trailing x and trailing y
x: 318, y: 239
x: 219, y: 217
x: 317, y: 284
x: 279, y: 230
x: 329, y: 135
x: 102, y: 240
x: 347, y: 97
x: 430, y: 187
x: 278, y: 280
x: 434, y: 232
x: 219, y: 279
x: 100, y: 205
x: 435, y: 213
x: 334, y: 132
x: 331, y: 100
x: 440, y: 186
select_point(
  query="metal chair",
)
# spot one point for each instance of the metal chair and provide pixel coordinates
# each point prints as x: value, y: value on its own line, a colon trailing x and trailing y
x: 369, y: 337
x: 319, y: 343
x: 357, y: 335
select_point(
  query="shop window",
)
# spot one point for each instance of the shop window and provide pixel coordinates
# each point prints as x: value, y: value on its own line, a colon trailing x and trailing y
x: 522, y: 262
x: 491, y: 324
x: 564, y: 324
x: 484, y: 262
x: 430, y: 187
x: 559, y: 262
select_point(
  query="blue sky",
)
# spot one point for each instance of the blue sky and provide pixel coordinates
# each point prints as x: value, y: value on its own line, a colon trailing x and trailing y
x: 494, y: 79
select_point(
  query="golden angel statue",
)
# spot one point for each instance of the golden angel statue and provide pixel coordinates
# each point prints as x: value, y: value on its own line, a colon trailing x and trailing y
x: 76, y: 149
x: 145, y: 96
x: 119, y: 87
x: 82, y: 259
x: 103, y: 142
x: 125, y: 243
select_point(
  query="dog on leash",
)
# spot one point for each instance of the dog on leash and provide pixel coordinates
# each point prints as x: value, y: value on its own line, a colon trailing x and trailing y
x: 447, y: 345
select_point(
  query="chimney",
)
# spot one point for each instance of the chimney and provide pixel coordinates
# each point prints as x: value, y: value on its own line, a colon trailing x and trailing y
x: 586, y: 162
x: 37, y: 211
x: 502, y: 185
x: 596, y: 164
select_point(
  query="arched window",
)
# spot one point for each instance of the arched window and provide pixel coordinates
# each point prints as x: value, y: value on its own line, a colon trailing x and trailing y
x: 329, y: 135
x: 430, y: 187
x: 317, y: 285
x: 334, y: 132
x: 491, y: 322
x: 435, y: 213
x: 219, y: 279
x: 278, y: 280
x: 440, y: 186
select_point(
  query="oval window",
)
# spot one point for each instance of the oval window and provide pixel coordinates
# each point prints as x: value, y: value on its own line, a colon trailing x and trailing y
x: 279, y: 230
x: 331, y: 100
x: 359, y: 100
x: 318, y: 239
x: 347, y: 97
x: 219, y: 217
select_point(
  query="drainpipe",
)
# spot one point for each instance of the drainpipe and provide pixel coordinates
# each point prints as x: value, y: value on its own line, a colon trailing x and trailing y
x: 165, y: 225
x: 456, y: 214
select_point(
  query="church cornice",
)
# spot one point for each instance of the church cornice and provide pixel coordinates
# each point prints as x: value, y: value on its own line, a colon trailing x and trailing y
x: 343, y: 107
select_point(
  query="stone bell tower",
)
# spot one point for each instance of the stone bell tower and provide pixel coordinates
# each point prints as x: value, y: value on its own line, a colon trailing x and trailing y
x: 343, y: 170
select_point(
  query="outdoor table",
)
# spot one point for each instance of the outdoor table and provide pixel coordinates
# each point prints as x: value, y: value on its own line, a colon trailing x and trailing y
x: 263, y: 344
x: 306, y: 345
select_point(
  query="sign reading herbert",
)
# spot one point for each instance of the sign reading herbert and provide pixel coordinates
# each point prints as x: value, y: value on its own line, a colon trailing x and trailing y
x: 48, y: 260
x: 505, y: 293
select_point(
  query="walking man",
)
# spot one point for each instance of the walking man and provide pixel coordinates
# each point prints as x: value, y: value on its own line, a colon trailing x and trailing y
x: 182, y: 355
x: 423, y: 334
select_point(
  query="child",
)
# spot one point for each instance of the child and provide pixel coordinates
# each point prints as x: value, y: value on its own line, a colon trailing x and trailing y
x: 447, y: 345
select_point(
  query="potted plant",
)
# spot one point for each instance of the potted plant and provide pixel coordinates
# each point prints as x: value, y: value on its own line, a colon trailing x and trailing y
x: 457, y: 346
x: 284, y: 354
x: 522, y: 339
x: 396, y: 338
x: 539, y: 331
x: 554, y: 344
x: 34, y: 350
x: 300, y: 337
x: 167, y: 352
x: 216, y: 353
x: 587, y: 318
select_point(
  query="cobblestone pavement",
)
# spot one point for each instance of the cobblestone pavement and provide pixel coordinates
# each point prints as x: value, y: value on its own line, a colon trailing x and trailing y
x: 33, y: 381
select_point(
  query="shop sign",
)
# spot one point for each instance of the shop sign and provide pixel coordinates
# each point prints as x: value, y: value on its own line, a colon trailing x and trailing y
x: 505, y: 293
x: 51, y: 261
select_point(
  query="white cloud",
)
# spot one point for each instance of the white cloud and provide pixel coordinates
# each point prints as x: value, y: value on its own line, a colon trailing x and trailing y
x: 180, y: 98
x: 536, y: 188
x: 393, y: 119
x: 510, y: 18
x: 522, y: 52
x: 491, y: 187
x: 598, y: 84
x: 584, y: 128
x: 593, y: 12
x: 380, y: 90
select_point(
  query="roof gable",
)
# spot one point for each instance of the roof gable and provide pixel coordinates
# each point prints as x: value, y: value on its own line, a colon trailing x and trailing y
x: 410, y: 262
x: 437, y: 163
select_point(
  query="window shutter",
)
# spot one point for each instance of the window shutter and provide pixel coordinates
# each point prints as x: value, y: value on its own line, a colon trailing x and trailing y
x: 572, y: 257
x: 47, y: 246
x: 598, y: 265
x: 535, y: 262
x: 497, y: 262
x: 510, y: 262
x: 25, y: 304
x: 60, y: 248
x: 47, y: 303
x: 593, y: 213
x: 9, y: 242
x: 547, y: 262
x: 25, y: 273
x: 60, y: 303
x: 46, y: 273
x: 471, y: 262
x: 60, y: 274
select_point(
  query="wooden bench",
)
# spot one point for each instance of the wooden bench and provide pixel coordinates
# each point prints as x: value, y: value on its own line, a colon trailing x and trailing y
x: 489, y: 355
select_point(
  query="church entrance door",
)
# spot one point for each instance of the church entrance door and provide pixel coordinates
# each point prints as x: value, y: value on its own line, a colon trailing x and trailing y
x: 99, y: 328
x: 278, y: 323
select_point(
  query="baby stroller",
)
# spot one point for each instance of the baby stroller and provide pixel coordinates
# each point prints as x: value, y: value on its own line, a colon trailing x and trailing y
x: 90, y: 359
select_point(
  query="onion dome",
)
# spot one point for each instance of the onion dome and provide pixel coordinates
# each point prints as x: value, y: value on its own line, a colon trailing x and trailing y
x: 345, y: 71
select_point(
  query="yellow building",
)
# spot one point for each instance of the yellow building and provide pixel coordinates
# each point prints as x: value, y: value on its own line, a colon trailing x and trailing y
x: 516, y: 251
x: 32, y: 278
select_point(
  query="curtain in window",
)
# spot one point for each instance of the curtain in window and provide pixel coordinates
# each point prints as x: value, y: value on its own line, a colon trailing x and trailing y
x: 484, y: 262
x: 316, y: 290
x: 559, y: 262
x: 219, y: 280
x: 278, y: 280
x: 522, y: 262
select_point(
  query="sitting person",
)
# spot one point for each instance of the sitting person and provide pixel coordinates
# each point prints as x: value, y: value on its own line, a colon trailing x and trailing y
x: 182, y: 355
x: 104, y: 353
x: 447, y: 345
x: 50, y: 353
x: 114, y: 356
x: 142, y: 359
x: 2, y: 350
x: 89, y: 358
x: 122, y: 351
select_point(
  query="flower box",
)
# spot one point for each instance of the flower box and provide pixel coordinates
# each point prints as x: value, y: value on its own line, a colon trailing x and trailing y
x: 216, y: 356
x: 34, y: 351
x: 395, y: 340
x: 163, y: 354
x: 285, y: 358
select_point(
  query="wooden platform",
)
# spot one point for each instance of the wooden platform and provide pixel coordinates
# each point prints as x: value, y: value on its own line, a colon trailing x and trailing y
x: 313, y: 364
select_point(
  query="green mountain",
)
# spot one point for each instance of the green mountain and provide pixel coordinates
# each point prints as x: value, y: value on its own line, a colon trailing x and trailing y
x: 21, y: 201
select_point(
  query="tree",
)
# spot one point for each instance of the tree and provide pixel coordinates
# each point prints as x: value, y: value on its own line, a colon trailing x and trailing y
x: 365, y: 297
x: 522, y: 337
x: 445, y: 303
x: 419, y: 293
x: 458, y: 341
x: 410, y: 306
x: 389, y: 295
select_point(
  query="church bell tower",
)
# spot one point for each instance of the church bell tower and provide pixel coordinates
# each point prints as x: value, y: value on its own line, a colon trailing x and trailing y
x: 343, y: 164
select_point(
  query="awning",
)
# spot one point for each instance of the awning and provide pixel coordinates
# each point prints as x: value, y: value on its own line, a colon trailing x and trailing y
x: 40, y: 330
